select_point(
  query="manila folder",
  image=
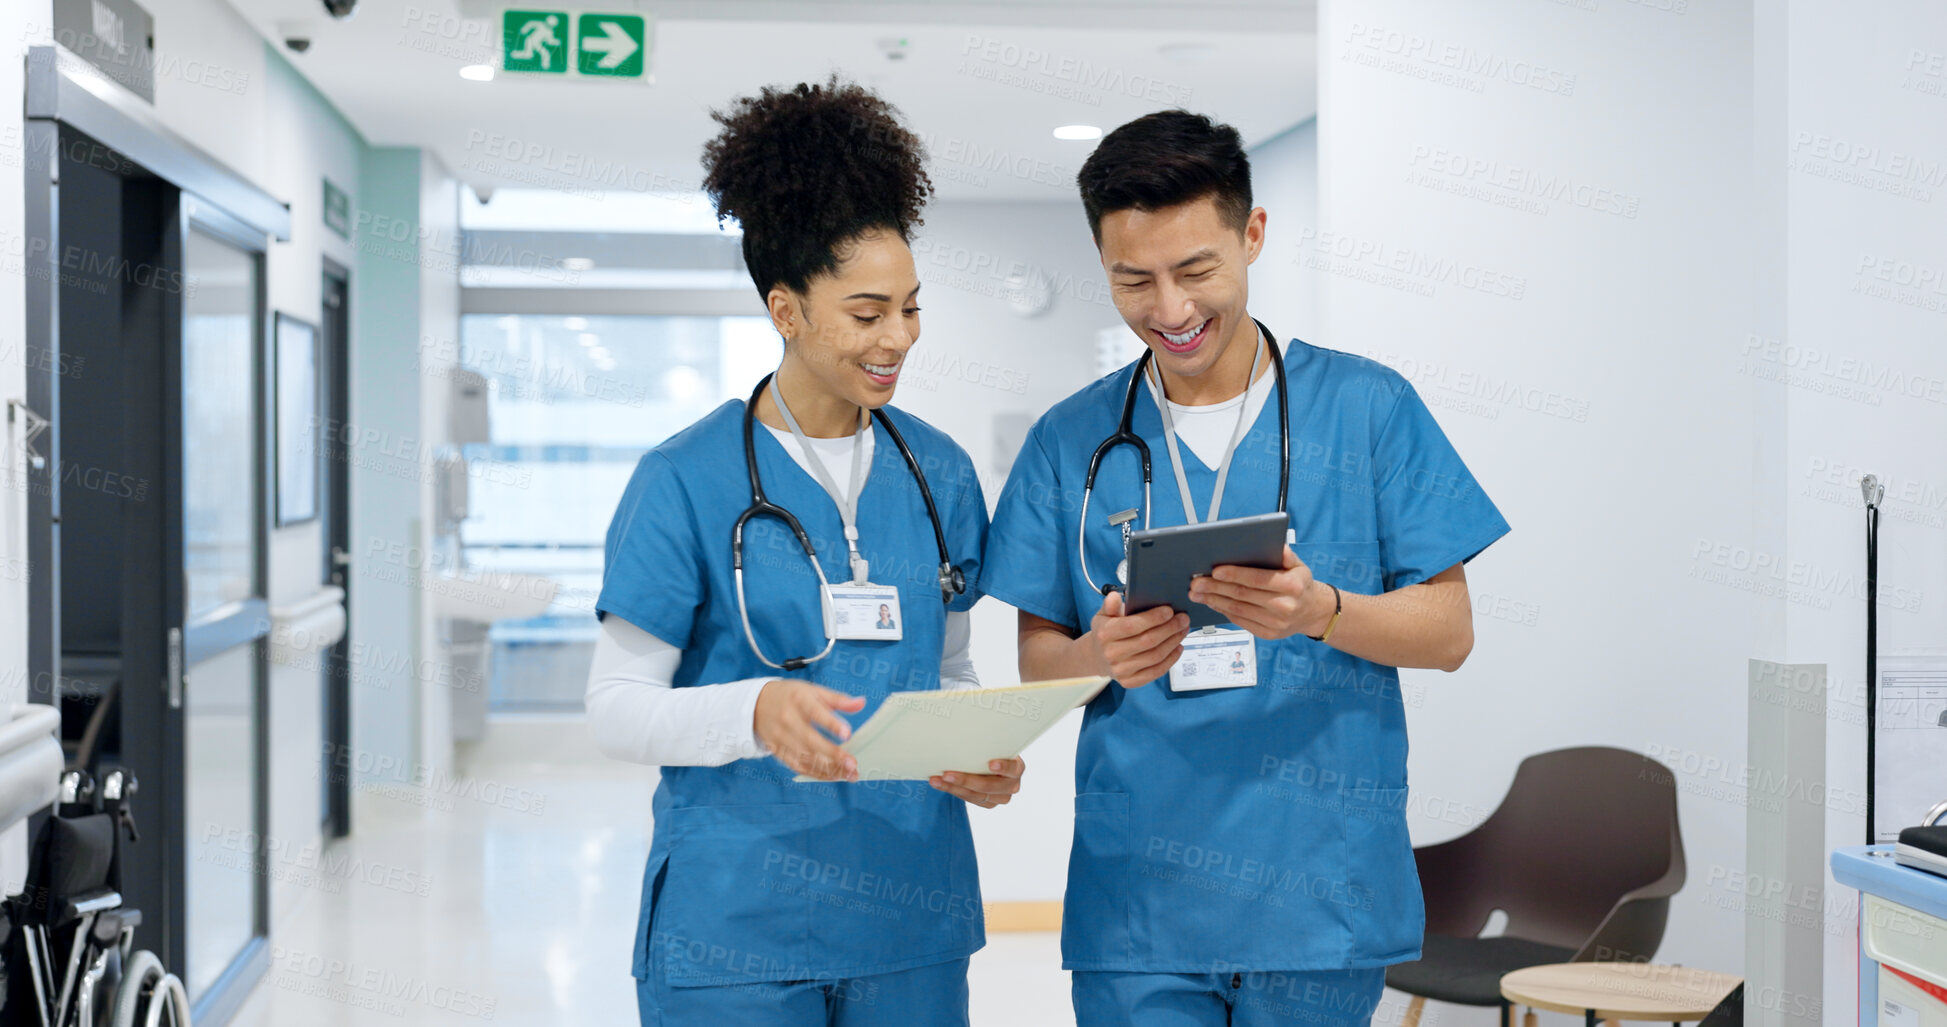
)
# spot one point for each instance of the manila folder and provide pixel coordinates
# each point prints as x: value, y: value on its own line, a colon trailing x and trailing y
x: 915, y: 735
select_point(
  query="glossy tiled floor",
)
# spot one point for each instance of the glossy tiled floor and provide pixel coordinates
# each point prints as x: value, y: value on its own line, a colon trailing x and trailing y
x: 510, y: 893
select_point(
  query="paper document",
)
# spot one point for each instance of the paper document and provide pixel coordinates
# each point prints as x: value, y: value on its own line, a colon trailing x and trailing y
x: 915, y: 735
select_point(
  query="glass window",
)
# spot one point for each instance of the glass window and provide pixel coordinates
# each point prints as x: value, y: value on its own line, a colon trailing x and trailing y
x: 574, y: 403
x: 220, y: 422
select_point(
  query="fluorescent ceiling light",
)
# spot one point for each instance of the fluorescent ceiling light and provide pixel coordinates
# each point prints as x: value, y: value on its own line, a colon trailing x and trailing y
x: 484, y: 276
x: 478, y: 73
x: 577, y: 264
x: 1187, y: 53
x: 1083, y: 132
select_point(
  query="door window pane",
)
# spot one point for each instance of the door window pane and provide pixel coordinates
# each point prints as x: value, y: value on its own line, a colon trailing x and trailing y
x: 219, y: 424
x: 222, y: 840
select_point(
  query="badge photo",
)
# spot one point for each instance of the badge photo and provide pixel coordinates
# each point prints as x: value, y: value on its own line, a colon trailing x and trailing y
x: 863, y: 612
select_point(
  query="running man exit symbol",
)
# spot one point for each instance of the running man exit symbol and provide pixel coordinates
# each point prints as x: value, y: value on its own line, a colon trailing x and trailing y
x: 534, y: 41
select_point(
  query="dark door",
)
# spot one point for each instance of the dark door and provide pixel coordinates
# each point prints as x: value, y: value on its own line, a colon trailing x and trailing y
x: 334, y: 363
x: 161, y: 529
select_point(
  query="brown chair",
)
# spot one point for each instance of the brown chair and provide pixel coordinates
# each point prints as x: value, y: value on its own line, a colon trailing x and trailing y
x: 1582, y: 855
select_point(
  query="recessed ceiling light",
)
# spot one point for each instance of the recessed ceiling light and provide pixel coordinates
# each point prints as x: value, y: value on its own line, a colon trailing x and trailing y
x: 575, y: 324
x: 478, y: 73
x: 588, y: 339
x: 1187, y: 53
x: 599, y: 353
x: 1078, y: 132
x: 577, y: 264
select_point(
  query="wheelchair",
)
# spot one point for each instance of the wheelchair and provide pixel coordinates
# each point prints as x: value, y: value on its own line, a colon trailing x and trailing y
x: 70, y: 956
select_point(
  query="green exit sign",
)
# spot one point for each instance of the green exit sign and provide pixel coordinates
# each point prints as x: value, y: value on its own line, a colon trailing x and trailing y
x: 584, y: 44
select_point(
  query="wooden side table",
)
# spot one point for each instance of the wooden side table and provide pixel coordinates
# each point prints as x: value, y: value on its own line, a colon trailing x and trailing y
x: 1613, y: 992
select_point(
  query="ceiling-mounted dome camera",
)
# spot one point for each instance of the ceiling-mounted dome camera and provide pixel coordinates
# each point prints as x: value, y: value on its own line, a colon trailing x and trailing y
x: 297, y: 35
x: 340, y: 8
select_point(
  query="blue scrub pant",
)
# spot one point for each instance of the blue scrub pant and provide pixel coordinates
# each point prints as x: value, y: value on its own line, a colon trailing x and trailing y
x: 1315, y: 998
x: 932, y: 995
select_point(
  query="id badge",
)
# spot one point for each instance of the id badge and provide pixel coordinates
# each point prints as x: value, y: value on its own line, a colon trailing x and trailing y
x: 1216, y: 658
x: 868, y: 611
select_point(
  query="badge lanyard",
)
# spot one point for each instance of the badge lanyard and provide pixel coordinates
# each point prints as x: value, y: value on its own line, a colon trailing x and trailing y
x: 1236, y: 436
x: 860, y: 610
x: 848, y: 502
x: 1212, y: 658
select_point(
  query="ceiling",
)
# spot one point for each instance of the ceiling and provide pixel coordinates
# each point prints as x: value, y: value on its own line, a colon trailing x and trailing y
x: 983, y: 84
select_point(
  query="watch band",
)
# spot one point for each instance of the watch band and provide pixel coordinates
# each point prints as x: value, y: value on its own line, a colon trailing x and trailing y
x: 1338, y: 607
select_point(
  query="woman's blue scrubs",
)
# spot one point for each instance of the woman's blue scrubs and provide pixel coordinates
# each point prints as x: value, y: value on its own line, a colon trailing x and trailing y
x: 1222, y: 836
x: 763, y: 898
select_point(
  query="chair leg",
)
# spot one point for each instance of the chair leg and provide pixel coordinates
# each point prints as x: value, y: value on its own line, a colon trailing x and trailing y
x: 1413, y: 1010
x: 1531, y: 1020
x: 1507, y: 1013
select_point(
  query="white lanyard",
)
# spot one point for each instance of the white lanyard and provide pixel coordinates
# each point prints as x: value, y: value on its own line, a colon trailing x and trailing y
x: 1236, y: 436
x: 848, y: 503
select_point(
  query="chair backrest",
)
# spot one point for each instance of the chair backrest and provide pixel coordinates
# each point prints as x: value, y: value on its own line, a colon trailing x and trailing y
x: 1578, y: 830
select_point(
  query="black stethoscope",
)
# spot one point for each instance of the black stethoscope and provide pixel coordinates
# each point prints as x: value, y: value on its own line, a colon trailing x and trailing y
x: 1124, y: 435
x: 952, y: 581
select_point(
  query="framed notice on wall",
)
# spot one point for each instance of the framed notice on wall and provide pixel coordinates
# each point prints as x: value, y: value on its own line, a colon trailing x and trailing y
x: 295, y: 395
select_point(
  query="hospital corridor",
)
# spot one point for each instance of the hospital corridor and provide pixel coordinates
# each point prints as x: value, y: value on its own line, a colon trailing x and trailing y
x: 973, y: 513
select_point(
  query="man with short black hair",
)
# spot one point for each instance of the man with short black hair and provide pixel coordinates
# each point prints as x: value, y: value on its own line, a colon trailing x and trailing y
x: 1240, y: 852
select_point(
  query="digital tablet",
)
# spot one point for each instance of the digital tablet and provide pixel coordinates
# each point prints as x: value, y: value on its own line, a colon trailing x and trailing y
x: 1163, y: 560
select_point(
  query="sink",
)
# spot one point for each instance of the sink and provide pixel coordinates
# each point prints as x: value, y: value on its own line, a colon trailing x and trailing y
x: 489, y: 596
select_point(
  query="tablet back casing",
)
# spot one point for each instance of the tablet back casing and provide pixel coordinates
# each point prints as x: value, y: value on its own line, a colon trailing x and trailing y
x: 1163, y: 560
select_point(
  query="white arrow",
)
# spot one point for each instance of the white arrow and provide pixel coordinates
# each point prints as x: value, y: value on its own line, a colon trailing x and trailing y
x: 615, y: 45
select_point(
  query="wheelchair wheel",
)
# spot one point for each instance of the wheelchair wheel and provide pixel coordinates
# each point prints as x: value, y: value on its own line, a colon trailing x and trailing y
x: 150, y: 996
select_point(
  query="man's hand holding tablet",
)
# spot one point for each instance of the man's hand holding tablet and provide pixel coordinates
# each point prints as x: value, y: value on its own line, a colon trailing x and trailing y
x: 1138, y: 648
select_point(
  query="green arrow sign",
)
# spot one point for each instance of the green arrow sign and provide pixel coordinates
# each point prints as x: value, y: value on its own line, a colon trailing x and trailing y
x: 609, y: 44
x: 575, y: 44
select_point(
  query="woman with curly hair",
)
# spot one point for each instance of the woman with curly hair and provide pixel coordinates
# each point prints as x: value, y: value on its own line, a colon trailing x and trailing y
x: 768, y: 899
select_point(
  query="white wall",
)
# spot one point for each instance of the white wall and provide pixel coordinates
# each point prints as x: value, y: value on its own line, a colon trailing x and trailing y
x: 1581, y: 352
x: 211, y: 85
x: 439, y: 318
x: 1864, y: 172
x: 305, y: 138
x: 22, y: 24
x: 1284, y: 181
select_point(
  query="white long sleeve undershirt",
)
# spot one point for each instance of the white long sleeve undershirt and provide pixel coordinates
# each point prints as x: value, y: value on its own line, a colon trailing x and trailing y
x: 636, y: 714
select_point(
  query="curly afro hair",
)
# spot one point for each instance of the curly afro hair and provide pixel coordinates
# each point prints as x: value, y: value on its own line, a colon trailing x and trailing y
x: 806, y: 170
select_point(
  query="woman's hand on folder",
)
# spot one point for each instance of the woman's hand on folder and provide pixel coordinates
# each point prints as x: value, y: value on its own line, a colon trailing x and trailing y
x: 1138, y: 648
x: 789, y: 715
x: 985, y: 790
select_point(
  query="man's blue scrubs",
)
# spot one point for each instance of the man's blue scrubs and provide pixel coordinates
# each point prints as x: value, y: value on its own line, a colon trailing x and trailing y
x: 1230, y: 842
x: 766, y: 901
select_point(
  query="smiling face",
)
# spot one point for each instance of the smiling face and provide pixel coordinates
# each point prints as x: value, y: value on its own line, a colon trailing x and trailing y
x: 1179, y: 276
x: 848, y: 332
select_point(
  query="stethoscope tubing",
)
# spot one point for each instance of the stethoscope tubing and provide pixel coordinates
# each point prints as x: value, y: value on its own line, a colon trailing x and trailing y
x: 952, y: 579
x: 1125, y: 436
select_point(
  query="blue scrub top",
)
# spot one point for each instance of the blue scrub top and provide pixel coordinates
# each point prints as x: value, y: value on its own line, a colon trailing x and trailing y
x: 752, y: 877
x: 1257, y: 828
